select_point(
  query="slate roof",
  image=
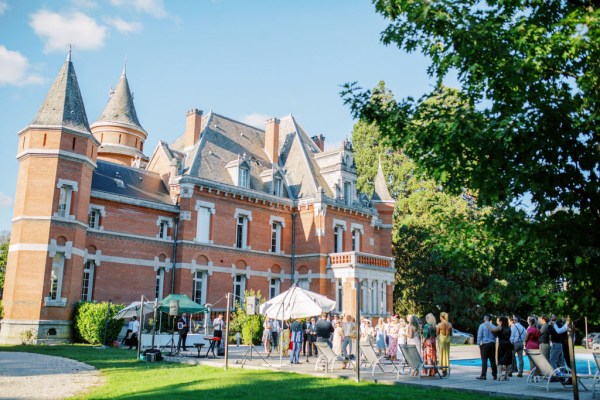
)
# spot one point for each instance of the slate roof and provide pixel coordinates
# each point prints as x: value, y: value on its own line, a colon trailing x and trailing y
x: 130, y: 182
x: 381, y: 193
x: 120, y: 107
x: 63, y: 105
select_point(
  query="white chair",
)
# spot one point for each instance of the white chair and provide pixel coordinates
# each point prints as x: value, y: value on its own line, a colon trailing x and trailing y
x: 326, y: 358
x: 415, y: 362
x: 543, y: 368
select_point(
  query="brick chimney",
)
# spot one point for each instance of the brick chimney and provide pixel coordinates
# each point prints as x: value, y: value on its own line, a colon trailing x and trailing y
x: 193, y: 123
x: 319, y: 141
x: 272, y: 139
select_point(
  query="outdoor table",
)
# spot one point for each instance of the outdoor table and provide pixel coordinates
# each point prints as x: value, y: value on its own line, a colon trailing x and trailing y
x: 213, y: 341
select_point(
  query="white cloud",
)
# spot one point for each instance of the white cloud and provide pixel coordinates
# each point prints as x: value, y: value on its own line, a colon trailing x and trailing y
x: 5, y: 200
x: 124, y: 26
x: 76, y: 28
x: 256, y: 119
x: 156, y: 8
x: 14, y: 70
x: 3, y: 7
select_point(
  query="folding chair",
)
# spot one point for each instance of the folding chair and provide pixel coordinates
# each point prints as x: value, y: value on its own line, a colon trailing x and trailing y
x: 414, y: 360
x: 372, y: 360
x: 542, y: 367
x: 326, y: 357
x: 597, y: 374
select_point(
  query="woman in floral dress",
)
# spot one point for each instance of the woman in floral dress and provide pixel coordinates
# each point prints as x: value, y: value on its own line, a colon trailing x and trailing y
x: 393, y: 331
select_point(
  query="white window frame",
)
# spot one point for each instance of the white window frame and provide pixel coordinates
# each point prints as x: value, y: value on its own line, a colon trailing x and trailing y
x: 166, y: 223
x: 202, y: 206
x: 242, y: 242
x: 277, y: 185
x: 56, y: 280
x: 98, y: 212
x: 274, y: 287
x: 239, y: 283
x: 159, y: 283
x: 88, y: 272
x: 244, y: 176
x: 199, y: 277
x: 65, y: 199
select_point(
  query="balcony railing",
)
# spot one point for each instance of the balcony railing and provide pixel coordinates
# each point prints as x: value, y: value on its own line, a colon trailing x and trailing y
x: 360, y: 259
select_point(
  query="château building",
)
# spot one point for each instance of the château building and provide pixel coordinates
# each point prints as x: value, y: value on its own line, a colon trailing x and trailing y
x: 224, y: 208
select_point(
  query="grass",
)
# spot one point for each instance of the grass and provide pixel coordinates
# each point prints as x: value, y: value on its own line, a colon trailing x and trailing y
x: 127, y: 378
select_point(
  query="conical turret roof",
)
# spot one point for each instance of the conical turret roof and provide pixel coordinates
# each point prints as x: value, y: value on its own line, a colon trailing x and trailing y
x: 120, y: 107
x: 381, y: 193
x: 63, y: 105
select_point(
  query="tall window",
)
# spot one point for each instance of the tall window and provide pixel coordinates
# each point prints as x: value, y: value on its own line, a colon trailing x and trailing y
x: 277, y: 186
x: 339, y: 295
x: 355, y: 240
x: 94, y: 219
x: 348, y: 193
x: 276, y: 237
x: 163, y: 229
x: 338, y: 238
x: 64, y: 201
x: 244, y: 177
x: 159, y: 283
x: 203, y: 226
x: 58, y: 264
x: 199, y: 287
x: 239, y: 285
x: 88, y: 281
x: 274, y: 285
x: 241, y: 237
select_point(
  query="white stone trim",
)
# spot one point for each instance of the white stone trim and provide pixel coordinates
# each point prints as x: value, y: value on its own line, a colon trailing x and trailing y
x: 274, y: 218
x: 372, y: 241
x: 241, y: 211
x: 98, y: 208
x: 67, y: 155
x: 186, y: 190
x: 136, y: 202
x: 185, y: 216
x: 169, y: 222
x: 28, y: 247
x: 206, y: 204
x: 166, y: 265
x: 341, y: 223
x: 66, y: 182
x: 358, y: 227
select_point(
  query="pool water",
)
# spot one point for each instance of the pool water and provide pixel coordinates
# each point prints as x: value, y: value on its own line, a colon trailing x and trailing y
x: 583, y: 364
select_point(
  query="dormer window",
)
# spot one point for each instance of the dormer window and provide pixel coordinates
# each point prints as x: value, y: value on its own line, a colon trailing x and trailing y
x: 244, y: 177
x: 277, y: 185
x: 348, y: 193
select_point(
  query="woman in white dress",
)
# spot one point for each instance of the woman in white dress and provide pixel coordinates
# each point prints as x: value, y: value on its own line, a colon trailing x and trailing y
x: 413, y: 334
x: 338, y: 337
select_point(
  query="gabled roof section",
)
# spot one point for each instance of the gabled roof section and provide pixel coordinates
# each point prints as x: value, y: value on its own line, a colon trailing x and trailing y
x: 120, y: 107
x: 63, y: 105
x: 297, y: 152
x: 135, y: 183
x: 381, y: 194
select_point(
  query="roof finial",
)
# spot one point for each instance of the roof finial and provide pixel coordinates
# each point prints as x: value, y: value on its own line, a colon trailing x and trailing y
x: 70, y: 46
x: 124, y: 67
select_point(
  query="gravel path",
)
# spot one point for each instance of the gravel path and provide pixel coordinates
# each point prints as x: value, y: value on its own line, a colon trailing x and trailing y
x: 35, y: 376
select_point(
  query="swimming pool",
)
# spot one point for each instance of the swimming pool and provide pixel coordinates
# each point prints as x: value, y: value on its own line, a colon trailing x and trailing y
x: 584, y: 363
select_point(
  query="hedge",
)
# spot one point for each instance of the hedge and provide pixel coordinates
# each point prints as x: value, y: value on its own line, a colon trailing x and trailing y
x: 89, y: 320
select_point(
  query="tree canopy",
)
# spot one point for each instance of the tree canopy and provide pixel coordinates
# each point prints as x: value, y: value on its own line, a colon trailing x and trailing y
x: 520, y: 134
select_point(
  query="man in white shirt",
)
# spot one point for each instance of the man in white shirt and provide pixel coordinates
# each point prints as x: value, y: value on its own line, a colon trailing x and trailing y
x: 218, y: 325
x: 134, y: 327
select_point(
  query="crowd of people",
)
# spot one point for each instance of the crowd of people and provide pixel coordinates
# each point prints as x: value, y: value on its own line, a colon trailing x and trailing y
x: 511, y: 339
x: 297, y: 338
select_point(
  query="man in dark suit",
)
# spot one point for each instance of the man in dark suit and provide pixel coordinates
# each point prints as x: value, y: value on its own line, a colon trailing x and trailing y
x: 296, y: 336
x: 183, y: 326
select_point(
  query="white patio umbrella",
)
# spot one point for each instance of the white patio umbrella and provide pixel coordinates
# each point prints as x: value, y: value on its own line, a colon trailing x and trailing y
x: 295, y: 303
x: 134, y: 309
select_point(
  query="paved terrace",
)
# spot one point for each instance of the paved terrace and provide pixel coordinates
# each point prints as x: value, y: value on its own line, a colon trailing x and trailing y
x: 461, y: 377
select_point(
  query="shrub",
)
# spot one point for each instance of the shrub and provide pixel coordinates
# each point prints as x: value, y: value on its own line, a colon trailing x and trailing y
x: 249, y: 326
x: 1, y: 310
x: 89, y: 320
x: 28, y: 336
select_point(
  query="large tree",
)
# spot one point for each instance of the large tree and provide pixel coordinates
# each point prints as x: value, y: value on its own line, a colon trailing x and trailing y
x: 521, y: 132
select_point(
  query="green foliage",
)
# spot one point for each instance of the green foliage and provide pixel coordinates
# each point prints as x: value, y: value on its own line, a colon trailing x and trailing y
x: 4, y: 244
x: 89, y: 321
x: 249, y: 326
x: 521, y: 134
x: 28, y: 336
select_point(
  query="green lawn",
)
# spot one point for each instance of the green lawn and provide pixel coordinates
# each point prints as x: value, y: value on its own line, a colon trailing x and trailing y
x: 127, y: 378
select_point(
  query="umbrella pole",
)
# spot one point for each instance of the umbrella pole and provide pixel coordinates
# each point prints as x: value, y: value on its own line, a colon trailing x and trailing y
x: 227, y: 332
x: 139, y: 333
x: 154, y: 322
x: 357, y: 360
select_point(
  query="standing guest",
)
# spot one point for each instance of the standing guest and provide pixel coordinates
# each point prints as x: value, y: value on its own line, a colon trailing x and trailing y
x: 532, y: 338
x: 266, y: 337
x: 444, y: 334
x: 393, y: 332
x: 380, y: 336
x: 556, y: 330
x: 387, y: 323
x: 296, y: 338
x: 284, y: 341
x: 505, y: 354
x: 429, y: 346
x: 134, y: 327
x: 487, y: 348
x: 275, y: 328
x: 412, y: 333
x: 183, y: 325
x: 401, y: 338
x: 218, y: 325
x: 517, y: 338
x: 312, y: 337
x: 368, y: 333
x: 544, y: 338
x: 306, y: 337
x: 349, y: 330
x: 323, y: 330
x: 338, y: 337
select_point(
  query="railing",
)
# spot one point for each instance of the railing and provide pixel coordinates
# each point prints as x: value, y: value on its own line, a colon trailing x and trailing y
x: 360, y: 259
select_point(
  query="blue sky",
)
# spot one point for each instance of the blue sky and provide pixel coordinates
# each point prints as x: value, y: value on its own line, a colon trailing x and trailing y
x: 248, y: 60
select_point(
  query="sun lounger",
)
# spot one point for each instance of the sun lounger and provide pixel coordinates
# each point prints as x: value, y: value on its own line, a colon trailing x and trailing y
x: 415, y: 362
x: 542, y: 367
x: 597, y: 375
x: 372, y: 360
x: 326, y: 358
